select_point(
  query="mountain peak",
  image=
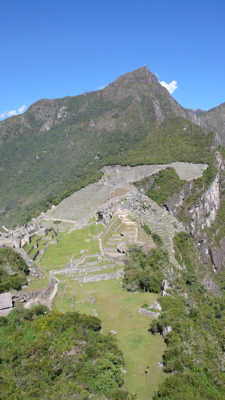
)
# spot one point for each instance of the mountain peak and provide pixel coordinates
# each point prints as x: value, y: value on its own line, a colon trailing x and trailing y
x: 130, y: 84
x: 141, y: 73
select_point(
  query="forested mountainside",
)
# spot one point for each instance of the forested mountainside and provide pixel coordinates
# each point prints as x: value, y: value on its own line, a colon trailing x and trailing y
x: 58, y: 146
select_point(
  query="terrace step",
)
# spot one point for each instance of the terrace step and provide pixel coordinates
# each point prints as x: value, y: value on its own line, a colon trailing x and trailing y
x: 102, y: 277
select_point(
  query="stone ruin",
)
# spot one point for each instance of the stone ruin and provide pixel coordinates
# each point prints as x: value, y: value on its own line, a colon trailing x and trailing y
x: 6, y: 304
x: 19, y: 237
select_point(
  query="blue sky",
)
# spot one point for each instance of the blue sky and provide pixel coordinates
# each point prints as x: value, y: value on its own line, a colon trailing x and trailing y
x: 55, y: 48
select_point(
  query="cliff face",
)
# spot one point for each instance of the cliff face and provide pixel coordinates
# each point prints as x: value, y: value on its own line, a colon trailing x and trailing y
x: 217, y: 255
x: 203, y: 214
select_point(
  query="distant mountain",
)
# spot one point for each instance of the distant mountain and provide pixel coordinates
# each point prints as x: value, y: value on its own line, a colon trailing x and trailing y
x: 198, y: 112
x: 143, y: 82
x: 214, y: 120
x: 59, y: 145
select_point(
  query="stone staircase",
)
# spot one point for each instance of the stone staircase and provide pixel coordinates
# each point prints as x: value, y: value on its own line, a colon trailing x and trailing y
x: 121, y: 229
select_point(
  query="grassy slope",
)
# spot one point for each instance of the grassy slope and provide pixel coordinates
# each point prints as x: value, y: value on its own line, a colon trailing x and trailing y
x: 70, y: 245
x: 118, y: 310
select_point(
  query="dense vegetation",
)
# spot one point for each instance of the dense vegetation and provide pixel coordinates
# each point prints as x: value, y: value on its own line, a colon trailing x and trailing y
x: 195, y: 352
x: 54, y: 356
x: 144, y: 271
x: 40, y: 167
x: 166, y: 183
x: 173, y: 139
x: 13, y: 270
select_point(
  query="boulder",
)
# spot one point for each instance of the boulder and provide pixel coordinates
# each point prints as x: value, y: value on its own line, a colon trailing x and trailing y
x: 166, y: 330
x: 121, y: 247
x: 165, y: 286
x: 156, y: 306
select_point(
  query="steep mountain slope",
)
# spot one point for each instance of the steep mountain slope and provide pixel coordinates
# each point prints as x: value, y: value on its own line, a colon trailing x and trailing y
x: 214, y: 120
x: 58, y: 146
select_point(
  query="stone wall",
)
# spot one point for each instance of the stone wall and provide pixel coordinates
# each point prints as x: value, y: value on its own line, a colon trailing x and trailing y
x: 149, y: 313
x: 101, y: 277
x: 32, y: 267
x: 45, y: 293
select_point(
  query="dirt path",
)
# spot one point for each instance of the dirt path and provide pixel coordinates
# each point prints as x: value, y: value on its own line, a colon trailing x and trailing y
x: 40, y: 299
x: 48, y: 302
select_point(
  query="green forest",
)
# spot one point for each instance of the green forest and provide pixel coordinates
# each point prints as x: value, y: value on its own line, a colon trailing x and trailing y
x: 50, y: 355
x: 13, y: 270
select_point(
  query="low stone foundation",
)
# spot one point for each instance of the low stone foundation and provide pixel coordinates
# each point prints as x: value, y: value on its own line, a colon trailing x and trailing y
x: 149, y: 313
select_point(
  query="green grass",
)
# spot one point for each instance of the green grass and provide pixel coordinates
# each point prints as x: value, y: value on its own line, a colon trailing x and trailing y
x: 70, y: 292
x: 90, y: 259
x: 70, y: 245
x: 33, y: 241
x: 33, y: 253
x: 104, y: 271
x: 38, y: 284
x: 93, y: 229
x: 65, y: 296
x: 91, y: 220
x: 118, y: 310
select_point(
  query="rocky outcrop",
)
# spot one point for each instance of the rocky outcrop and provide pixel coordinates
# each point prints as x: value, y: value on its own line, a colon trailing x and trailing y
x: 217, y: 255
x: 149, y: 313
x: 121, y: 247
x: 173, y: 203
x: 156, y: 306
x: 6, y: 304
x: 203, y: 214
x: 166, y: 331
x: 165, y: 286
x: 24, y: 296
